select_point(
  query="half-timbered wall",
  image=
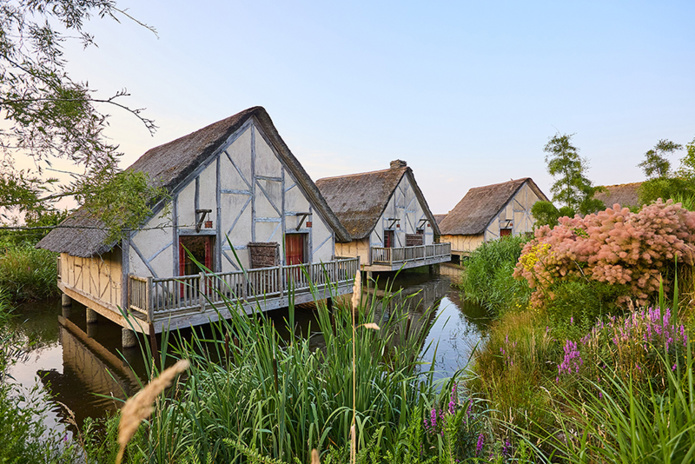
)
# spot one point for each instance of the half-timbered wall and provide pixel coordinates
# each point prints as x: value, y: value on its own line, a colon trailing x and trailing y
x: 515, y: 215
x: 409, y: 213
x: 463, y: 242
x: 356, y: 248
x: 98, y: 277
x: 252, y: 196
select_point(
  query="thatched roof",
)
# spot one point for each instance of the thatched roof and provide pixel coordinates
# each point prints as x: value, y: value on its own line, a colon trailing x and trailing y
x: 170, y: 164
x: 481, y: 205
x: 359, y: 200
x: 623, y: 194
x: 439, y: 218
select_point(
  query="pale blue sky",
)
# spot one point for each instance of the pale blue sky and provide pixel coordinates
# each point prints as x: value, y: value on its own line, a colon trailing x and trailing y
x: 468, y: 93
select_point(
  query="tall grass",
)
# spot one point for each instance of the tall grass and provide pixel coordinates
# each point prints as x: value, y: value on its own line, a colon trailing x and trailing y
x: 625, y: 421
x: 250, y: 393
x: 487, y: 276
x: 27, y: 273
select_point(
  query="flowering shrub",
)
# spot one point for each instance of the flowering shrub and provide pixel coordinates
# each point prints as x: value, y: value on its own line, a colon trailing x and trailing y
x: 615, y: 246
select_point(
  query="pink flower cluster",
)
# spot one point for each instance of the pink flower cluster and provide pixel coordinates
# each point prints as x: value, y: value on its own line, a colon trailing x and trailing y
x: 614, y: 246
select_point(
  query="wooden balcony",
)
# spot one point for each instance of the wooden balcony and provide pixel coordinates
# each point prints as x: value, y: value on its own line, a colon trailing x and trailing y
x: 185, y: 301
x: 393, y: 259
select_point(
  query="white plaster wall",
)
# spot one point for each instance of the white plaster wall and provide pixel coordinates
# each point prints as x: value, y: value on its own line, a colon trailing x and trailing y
x: 207, y: 198
x: 404, y: 205
x: 267, y: 164
x: 240, y: 152
x: 154, y: 243
x: 322, y: 240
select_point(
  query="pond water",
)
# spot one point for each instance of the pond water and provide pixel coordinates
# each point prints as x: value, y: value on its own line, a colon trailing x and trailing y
x: 70, y: 364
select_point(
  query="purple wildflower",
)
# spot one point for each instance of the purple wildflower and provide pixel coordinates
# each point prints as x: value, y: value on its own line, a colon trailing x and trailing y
x: 479, y: 445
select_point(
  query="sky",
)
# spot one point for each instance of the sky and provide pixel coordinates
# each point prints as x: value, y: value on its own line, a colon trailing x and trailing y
x: 468, y: 93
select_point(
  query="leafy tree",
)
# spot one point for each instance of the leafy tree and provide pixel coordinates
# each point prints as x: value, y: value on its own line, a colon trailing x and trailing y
x: 572, y: 188
x: 662, y: 182
x: 50, y: 116
x: 655, y: 164
x: 547, y: 214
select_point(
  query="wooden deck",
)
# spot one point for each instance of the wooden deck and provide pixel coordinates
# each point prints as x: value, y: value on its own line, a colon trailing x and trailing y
x: 393, y: 259
x: 158, y: 304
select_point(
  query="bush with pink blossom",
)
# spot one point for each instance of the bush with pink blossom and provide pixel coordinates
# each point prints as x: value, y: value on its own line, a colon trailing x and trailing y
x: 632, y: 252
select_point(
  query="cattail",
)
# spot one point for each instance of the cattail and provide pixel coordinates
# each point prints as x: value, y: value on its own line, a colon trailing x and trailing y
x: 357, y: 290
x: 140, y: 406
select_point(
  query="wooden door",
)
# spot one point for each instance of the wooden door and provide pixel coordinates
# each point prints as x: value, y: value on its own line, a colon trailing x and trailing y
x: 194, y: 248
x: 200, y: 248
x: 505, y: 232
x: 295, y: 252
x: 389, y: 238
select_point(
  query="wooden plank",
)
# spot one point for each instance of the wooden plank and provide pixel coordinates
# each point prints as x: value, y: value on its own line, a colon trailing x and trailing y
x: 270, y: 178
x: 105, y: 309
x: 253, y: 183
x: 235, y: 192
x: 159, y: 252
x: 218, y: 222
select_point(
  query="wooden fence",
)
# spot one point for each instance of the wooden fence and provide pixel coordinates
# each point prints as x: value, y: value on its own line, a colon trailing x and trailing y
x: 154, y: 297
x: 401, y: 255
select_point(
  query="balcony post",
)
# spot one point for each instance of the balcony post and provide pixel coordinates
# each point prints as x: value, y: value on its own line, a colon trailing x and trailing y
x: 148, y: 301
x: 201, y: 291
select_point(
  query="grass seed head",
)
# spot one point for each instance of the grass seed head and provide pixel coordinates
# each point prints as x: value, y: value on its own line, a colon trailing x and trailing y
x: 140, y: 406
x: 357, y: 290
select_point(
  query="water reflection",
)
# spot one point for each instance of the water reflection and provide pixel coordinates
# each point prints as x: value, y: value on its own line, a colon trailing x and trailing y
x: 455, y: 327
x: 83, y: 365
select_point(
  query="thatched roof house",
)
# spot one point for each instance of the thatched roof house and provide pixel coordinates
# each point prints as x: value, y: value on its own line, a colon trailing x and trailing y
x: 380, y: 209
x: 168, y: 165
x: 239, y: 198
x: 489, y: 212
x: 626, y: 195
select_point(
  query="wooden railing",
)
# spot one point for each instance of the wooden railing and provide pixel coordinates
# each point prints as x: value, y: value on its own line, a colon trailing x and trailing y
x: 401, y: 255
x: 152, y: 297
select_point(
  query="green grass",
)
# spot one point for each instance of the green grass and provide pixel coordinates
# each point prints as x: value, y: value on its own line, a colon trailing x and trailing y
x: 487, y: 276
x: 27, y: 273
x: 626, y: 422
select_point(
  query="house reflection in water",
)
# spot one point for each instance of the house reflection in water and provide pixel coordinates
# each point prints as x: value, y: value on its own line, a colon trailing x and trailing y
x: 88, y: 367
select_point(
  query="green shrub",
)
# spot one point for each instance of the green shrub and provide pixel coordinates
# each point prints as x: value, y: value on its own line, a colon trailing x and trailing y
x: 488, y: 275
x: 576, y: 304
x: 27, y: 273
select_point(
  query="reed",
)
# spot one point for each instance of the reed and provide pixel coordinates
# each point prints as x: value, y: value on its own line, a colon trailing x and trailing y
x: 27, y: 273
x: 251, y: 393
